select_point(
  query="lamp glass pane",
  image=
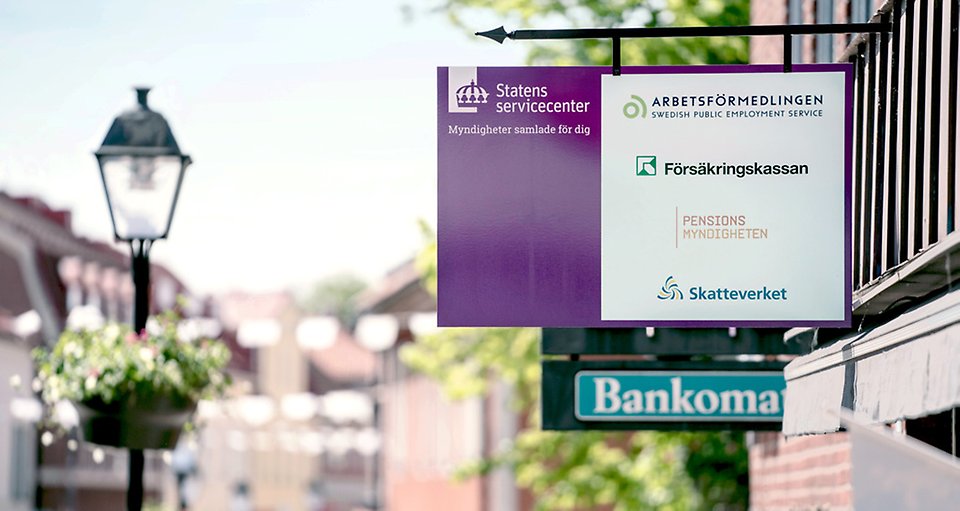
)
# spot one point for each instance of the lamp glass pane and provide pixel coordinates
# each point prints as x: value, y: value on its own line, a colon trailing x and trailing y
x: 142, y: 191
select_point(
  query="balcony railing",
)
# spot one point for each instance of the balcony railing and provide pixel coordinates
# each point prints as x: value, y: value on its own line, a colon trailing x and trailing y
x: 905, y: 156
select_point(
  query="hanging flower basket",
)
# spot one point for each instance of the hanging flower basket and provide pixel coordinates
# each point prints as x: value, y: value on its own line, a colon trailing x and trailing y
x: 133, y: 390
x: 153, y: 423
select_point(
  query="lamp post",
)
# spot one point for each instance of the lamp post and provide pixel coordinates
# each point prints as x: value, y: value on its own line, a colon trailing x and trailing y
x: 378, y: 333
x: 142, y: 169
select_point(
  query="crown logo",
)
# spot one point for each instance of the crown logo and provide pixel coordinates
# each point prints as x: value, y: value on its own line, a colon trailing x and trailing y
x: 471, y: 95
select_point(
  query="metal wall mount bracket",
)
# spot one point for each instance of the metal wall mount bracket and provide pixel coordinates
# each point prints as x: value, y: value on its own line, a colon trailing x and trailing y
x: 616, y: 34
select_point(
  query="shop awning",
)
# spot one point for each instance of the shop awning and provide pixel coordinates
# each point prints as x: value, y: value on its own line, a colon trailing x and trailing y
x: 906, y: 368
x: 889, y: 471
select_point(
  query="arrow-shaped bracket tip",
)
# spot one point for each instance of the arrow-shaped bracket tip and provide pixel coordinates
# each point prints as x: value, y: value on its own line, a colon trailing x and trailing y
x: 498, y: 34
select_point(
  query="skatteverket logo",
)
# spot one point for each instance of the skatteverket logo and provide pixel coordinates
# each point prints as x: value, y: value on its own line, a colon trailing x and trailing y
x: 670, y: 290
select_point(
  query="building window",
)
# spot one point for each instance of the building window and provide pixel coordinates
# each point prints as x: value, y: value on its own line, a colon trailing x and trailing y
x: 939, y: 430
x: 20, y: 483
x: 860, y: 11
x: 795, y: 17
x: 824, y: 45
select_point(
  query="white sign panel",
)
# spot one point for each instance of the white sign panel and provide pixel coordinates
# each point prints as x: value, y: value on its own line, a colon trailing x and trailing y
x: 723, y: 198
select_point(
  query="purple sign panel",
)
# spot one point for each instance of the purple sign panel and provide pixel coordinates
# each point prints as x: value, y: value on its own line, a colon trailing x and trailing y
x: 529, y: 216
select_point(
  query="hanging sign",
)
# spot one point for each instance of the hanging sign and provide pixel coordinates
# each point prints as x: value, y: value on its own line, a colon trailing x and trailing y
x: 668, y: 196
x: 662, y: 395
x: 657, y: 396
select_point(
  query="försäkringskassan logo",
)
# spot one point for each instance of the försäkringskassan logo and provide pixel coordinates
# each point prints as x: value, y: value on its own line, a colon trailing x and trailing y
x: 670, y: 290
x: 646, y: 165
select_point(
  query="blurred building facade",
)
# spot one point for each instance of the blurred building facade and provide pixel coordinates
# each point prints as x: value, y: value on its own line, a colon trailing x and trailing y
x: 296, y: 432
x: 18, y: 438
x: 426, y: 435
x: 342, y: 374
x: 245, y: 452
x: 321, y: 419
x: 49, y: 275
x: 899, y: 365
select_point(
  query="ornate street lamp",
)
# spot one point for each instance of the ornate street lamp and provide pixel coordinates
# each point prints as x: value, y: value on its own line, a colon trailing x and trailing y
x: 142, y: 169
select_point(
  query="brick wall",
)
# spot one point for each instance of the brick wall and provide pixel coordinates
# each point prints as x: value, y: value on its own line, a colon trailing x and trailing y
x: 800, y: 474
x: 840, y: 15
x: 767, y: 50
x: 808, y: 42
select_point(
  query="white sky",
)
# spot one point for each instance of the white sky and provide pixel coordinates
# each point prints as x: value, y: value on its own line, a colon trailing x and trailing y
x: 311, y: 123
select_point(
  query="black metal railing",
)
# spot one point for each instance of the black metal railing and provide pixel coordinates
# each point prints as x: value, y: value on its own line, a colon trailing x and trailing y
x: 905, y: 140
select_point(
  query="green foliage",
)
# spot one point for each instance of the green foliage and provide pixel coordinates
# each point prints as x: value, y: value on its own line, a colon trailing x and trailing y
x: 583, y: 470
x: 426, y: 261
x: 114, y: 363
x: 334, y: 296
x: 615, y: 13
x: 463, y: 360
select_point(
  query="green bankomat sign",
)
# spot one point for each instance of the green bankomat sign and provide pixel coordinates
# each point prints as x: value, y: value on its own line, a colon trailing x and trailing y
x: 679, y: 396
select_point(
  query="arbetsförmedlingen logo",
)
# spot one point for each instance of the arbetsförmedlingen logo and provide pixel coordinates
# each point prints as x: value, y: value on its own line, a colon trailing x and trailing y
x: 670, y: 290
x: 646, y: 165
x: 635, y: 108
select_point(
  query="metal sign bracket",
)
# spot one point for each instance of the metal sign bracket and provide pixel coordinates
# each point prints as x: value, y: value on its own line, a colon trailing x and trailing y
x: 616, y: 34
